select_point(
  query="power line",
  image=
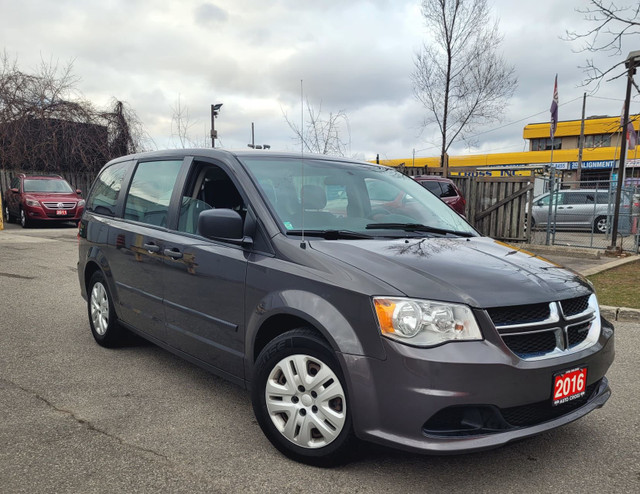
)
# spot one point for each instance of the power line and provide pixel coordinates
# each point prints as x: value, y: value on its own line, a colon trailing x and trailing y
x: 507, y: 124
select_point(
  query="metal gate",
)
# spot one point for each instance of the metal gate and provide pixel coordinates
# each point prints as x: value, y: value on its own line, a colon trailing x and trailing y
x: 581, y: 215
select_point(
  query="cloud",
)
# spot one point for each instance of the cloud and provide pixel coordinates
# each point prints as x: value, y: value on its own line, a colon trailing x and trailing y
x: 209, y: 15
x: 354, y: 56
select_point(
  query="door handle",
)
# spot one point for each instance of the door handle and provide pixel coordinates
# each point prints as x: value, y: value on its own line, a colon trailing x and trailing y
x: 173, y: 253
x: 151, y: 248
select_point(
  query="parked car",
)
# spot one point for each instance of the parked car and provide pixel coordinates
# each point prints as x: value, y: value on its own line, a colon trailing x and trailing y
x: 345, y: 320
x: 445, y: 189
x: 579, y: 209
x: 41, y: 198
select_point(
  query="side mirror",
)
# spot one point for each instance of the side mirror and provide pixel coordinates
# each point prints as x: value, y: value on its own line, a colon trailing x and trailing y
x: 79, y: 192
x: 222, y: 224
x: 15, y: 191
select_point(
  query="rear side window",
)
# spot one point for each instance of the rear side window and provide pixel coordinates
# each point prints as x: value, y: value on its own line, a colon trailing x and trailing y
x: 150, y: 192
x: 432, y: 186
x: 106, y: 189
x: 578, y: 198
x: 448, y: 190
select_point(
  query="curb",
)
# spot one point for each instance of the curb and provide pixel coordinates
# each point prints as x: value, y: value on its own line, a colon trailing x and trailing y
x: 621, y: 314
x: 610, y: 265
x: 580, y: 252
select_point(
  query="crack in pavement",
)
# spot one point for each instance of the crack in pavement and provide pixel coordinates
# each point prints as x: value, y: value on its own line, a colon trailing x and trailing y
x: 81, y: 421
x: 17, y: 276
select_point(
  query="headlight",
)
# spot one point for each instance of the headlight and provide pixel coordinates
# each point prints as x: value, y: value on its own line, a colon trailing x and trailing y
x: 81, y: 203
x: 32, y: 203
x: 423, y: 322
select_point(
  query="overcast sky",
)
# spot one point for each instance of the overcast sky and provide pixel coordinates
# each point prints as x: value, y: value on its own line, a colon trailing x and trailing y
x: 250, y: 55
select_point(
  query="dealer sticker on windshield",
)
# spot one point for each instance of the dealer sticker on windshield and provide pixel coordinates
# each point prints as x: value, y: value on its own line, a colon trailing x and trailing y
x: 569, y: 385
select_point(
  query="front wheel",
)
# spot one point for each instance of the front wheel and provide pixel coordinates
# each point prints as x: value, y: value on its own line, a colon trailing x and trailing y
x: 102, y: 316
x: 25, y: 222
x: 300, y: 399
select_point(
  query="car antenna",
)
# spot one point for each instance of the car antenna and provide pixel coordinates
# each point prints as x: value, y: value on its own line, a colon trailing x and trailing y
x: 303, y: 244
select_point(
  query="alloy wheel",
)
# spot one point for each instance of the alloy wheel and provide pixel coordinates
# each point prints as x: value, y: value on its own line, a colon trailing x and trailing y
x: 99, y: 308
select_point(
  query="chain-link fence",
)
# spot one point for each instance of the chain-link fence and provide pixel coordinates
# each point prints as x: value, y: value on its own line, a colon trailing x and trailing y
x: 581, y: 215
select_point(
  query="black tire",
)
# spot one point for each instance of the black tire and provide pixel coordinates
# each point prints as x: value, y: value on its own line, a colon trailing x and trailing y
x: 326, y: 448
x: 600, y: 224
x: 102, y: 316
x: 8, y: 218
x: 25, y: 221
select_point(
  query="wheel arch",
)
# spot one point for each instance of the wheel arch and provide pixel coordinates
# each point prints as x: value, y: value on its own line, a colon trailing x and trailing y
x: 280, y: 312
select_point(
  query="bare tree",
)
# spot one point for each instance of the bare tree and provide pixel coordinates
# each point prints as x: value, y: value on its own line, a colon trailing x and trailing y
x: 611, y: 25
x: 46, y: 125
x: 322, y: 134
x: 459, y: 76
x: 181, y: 124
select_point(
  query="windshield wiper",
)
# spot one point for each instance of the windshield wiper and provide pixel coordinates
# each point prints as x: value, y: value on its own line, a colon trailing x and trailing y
x: 416, y: 227
x: 332, y: 234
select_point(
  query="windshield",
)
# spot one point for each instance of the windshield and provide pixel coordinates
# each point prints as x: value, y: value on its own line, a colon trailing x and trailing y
x: 321, y: 195
x: 48, y: 185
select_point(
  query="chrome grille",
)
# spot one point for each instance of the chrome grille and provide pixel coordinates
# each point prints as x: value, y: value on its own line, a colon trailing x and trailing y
x: 519, y: 314
x: 574, y: 306
x: 546, y: 330
x: 539, y: 343
x: 577, y: 333
x: 59, y: 205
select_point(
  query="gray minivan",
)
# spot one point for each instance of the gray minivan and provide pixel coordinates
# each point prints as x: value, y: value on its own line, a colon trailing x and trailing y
x: 579, y: 209
x: 347, y: 317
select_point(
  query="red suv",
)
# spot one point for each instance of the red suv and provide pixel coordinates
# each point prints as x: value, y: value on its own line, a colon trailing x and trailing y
x: 445, y: 189
x: 42, y: 197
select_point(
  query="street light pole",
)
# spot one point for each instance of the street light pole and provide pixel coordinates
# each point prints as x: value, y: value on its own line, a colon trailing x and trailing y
x: 633, y: 60
x: 215, y: 109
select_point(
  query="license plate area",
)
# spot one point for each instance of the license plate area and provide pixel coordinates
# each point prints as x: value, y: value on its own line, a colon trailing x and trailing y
x: 61, y: 212
x: 569, y: 385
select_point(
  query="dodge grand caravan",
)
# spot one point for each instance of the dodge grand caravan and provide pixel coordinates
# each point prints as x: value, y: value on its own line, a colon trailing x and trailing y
x: 345, y: 320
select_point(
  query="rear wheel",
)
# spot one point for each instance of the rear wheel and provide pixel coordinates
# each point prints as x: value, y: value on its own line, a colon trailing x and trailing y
x: 600, y: 224
x: 7, y: 214
x: 300, y: 400
x: 102, y: 317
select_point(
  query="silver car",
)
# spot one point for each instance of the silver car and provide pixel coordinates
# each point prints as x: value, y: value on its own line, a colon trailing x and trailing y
x: 580, y: 209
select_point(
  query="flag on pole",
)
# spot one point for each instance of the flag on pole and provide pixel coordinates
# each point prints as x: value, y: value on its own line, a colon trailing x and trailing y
x: 554, y: 108
x: 631, y: 135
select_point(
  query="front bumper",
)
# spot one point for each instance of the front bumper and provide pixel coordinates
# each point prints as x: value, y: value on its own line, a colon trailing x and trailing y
x: 463, y: 396
x: 47, y: 214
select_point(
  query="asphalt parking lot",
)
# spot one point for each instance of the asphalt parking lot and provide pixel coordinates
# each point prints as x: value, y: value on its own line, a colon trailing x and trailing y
x: 75, y: 417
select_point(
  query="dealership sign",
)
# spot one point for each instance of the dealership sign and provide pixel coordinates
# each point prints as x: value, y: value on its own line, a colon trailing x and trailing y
x: 586, y: 165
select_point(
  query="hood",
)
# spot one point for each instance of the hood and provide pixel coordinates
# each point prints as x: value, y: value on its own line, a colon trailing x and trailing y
x: 479, y: 271
x: 53, y: 196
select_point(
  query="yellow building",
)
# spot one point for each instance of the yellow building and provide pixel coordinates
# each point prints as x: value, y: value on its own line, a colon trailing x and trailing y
x: 601, y: 152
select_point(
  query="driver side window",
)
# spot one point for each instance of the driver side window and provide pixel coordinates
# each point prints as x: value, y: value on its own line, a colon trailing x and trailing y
x: 209, y: 187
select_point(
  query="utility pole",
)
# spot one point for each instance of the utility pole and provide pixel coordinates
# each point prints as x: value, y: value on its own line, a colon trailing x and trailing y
x: 632, y: 61
x: 581, y: 143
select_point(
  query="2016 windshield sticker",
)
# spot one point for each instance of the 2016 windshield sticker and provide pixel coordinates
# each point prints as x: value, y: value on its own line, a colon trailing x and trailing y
x: 288, y: 225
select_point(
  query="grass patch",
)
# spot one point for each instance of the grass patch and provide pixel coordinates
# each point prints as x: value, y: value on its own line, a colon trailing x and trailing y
x: 619, y: 287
